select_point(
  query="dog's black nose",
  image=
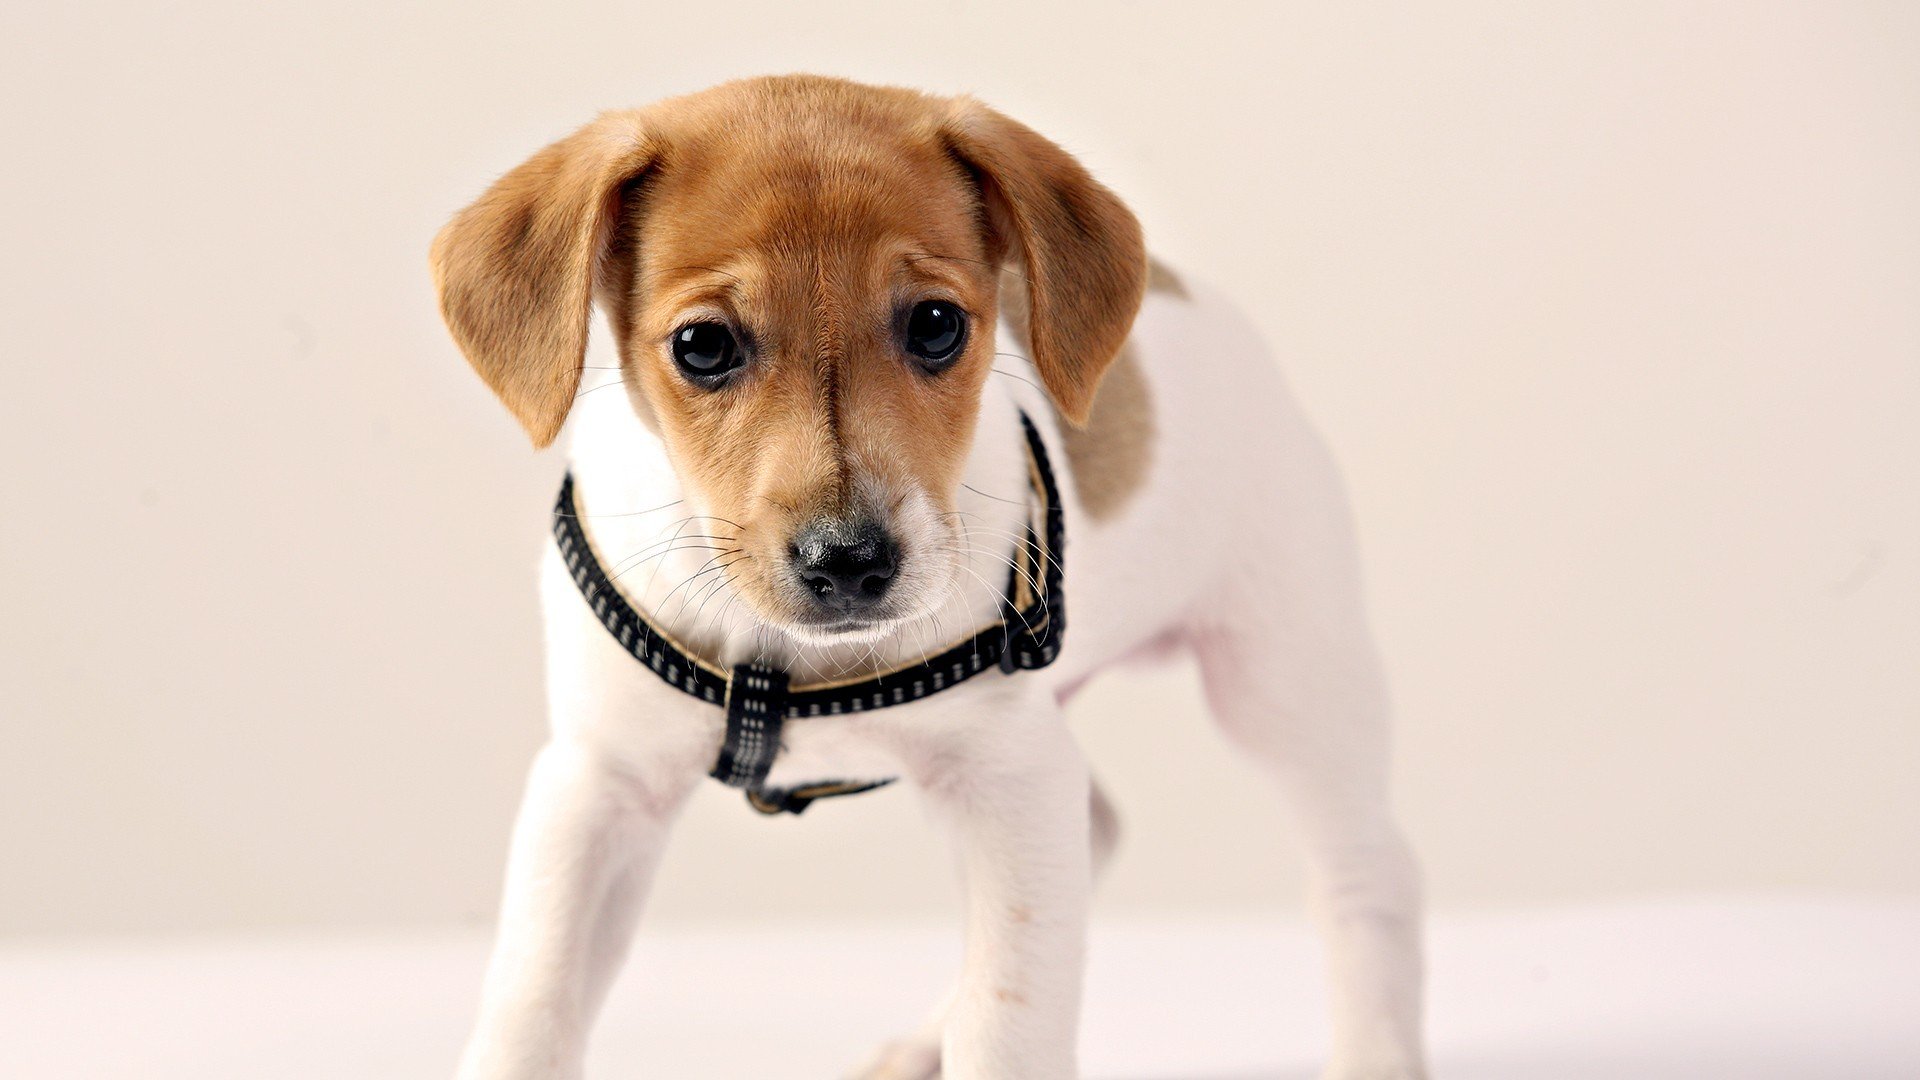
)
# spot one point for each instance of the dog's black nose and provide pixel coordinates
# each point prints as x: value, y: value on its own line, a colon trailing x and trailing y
x: 848, y: 568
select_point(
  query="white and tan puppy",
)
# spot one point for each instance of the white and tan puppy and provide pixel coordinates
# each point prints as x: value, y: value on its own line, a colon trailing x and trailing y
x: 818, y: 462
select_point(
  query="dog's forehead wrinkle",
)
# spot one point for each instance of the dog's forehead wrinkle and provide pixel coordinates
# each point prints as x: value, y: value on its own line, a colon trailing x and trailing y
x: 867, y: 250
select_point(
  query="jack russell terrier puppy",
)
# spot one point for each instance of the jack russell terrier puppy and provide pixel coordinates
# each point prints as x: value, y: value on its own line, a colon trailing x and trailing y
x: 883, y: 353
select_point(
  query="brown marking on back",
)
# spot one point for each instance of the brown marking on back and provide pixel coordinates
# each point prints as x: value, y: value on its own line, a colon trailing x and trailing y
x: 1112, y: 455
x: 1162, y: 279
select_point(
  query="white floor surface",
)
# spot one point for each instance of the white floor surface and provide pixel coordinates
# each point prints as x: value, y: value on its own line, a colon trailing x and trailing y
x: 1753, y: 989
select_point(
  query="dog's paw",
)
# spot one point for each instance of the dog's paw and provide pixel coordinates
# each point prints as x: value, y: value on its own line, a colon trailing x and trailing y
x: 906, y: 1059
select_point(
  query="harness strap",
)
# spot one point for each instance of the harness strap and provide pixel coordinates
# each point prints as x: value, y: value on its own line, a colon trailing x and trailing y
x: 756, y: 708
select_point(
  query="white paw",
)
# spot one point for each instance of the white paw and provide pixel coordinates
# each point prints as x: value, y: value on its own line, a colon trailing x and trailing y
x: 907, y: 1059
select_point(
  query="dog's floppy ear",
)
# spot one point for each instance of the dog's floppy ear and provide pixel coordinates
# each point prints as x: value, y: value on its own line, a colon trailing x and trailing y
x: 1084, y: 261
x: 516, y: 269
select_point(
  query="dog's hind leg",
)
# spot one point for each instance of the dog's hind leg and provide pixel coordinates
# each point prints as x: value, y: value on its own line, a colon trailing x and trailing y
x: 917, y: 1056
x: 1292, y: 677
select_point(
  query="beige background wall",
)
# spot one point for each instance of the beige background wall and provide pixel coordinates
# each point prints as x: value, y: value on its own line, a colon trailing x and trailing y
x: 1612, y: 312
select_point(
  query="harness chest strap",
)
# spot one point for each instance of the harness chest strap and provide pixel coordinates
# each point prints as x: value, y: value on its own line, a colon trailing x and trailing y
x: 759, y: 699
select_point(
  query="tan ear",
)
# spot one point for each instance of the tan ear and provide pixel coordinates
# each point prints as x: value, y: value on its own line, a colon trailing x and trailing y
x: 516, y: 269
x: 1085, y: 262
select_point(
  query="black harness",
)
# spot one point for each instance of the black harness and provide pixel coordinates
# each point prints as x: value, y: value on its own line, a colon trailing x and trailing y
x: 759, y: 699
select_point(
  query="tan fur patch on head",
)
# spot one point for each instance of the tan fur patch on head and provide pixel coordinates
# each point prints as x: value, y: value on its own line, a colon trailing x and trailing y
x: 807, y: 216
x: 1113, y: 454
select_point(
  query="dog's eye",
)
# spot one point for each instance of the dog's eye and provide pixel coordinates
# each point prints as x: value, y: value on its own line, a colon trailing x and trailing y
x: 705, y: 351
x: 935, y: 330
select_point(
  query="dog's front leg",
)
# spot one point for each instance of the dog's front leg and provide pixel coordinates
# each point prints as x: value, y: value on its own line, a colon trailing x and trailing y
x: 584, y: 850
x: 1016, y: 789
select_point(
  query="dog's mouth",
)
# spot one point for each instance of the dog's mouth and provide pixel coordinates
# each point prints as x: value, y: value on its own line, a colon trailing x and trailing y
x: 844, y: 631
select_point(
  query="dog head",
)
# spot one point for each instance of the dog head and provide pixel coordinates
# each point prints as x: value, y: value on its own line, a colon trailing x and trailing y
x: 802, y: 275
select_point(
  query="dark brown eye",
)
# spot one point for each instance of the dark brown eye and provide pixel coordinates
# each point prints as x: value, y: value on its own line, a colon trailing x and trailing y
x: 935, y: 331
x: 705, y: 351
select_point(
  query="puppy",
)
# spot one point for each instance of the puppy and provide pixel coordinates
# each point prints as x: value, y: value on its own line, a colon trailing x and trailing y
x: 881, y: 355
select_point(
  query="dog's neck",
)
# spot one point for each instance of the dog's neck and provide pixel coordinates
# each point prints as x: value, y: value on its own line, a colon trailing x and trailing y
x: 668, y: 558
